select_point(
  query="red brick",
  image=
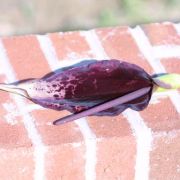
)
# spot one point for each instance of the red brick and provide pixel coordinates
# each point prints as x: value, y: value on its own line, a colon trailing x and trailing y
x: 7, y: 114
x: 116, y: 158
x: 70, y: 46
x: 165, y: 119
x: 13, y: 136
x: 46, y: 116
x: 25, y: 56
x: 162, y: 33
x: 105, y: 127
x: 17, y: 164
x: 65, y: 162
x: 52, y: 135
x: 118, y: 43
x: 172, y: 65
x: 4, y: 97
x: 165, y: 161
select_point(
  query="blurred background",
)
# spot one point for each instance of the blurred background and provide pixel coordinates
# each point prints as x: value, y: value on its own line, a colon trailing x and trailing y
x: 42, y: 16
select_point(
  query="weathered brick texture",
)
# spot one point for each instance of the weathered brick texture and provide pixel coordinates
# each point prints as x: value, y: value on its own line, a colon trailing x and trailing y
x: 130, y: 146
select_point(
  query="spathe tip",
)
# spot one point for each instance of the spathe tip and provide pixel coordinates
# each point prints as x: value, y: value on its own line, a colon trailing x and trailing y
x: 167, y: 81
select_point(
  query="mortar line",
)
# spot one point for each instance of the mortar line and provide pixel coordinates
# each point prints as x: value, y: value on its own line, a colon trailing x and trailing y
x: 28, y: 120
x: 88, y: 135
x: 177, y: 28
x: 144, y: 140
x: 146, y: 49
x: 94, y: 44
x: 142, y: 133
x: 166, y: 51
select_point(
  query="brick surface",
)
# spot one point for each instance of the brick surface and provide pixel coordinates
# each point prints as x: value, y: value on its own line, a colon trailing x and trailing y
x: 70, y: 46
x: 106, y: 127
x: 12, y: 130
x: 17, y: 164
x: 119, y: 44
x: 165, y: 119
x: 13, y: 136
x: 26, y: 58
x: 165, y: 155
x: 160, y: 34
x: 56, y: 135
x: 116, y: 158
x: 4, y: 99
x: 105, y: 147
x: 65, y: 162
x: 171, y: 64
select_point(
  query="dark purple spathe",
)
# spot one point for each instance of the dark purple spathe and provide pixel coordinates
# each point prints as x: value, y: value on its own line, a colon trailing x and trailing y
x: 90, y: 83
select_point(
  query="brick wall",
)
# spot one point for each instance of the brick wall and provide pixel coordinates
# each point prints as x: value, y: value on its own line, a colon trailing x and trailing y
x: 134, y: 145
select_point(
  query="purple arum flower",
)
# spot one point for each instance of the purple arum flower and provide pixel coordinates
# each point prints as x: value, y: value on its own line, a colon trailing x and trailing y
x: 90, y: 88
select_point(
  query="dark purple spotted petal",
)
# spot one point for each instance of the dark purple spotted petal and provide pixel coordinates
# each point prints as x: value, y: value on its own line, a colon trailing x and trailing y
x: 104, y: 106
x: 90, y: 83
